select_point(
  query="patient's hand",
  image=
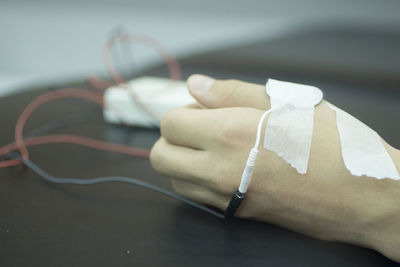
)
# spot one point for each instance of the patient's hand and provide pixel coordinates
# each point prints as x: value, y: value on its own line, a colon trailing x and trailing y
x: 204, y: 148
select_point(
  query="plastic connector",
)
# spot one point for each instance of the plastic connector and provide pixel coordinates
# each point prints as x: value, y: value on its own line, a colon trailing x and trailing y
x: 239, y: 195
x: 234, y: 204
x: 248, y: 171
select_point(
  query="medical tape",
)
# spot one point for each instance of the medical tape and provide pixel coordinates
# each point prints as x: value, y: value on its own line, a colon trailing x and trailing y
x: 144, y: 101
x: 362, y: 148
x: 290, y: 126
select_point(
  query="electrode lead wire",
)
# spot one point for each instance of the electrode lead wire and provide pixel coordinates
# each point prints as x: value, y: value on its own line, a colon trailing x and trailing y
x: 111, y: 179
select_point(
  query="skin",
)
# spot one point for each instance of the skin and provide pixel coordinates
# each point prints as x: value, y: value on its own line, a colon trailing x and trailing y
x: 204, y: 148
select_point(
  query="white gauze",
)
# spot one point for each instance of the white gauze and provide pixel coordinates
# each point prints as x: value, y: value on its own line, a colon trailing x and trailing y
x: 290, y: 125
x: 362, y: 148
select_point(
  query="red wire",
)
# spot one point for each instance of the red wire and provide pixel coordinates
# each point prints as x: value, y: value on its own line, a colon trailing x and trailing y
x: 42, y: 99
x: 72, y: 139
x: 21, y: 144
x: 98, y: 83
x: 172, y: 64
x: 170, y: 61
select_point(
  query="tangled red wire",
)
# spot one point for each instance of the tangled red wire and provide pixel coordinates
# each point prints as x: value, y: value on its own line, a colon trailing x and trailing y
x: 21, y: 144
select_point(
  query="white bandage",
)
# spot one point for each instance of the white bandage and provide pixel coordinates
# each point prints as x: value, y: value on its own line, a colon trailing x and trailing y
x: 290, y: 125
x: 158, y: 95
x: 362, y: 149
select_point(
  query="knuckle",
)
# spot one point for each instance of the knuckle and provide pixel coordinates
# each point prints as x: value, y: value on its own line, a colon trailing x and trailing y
x: 237, y: 127
x: 182, y: 189
x: 167, y: 122
x: 228, y: 91
x: 230, y: 83
x: 222, y: 180
x: 229, y: 132
x: 156, y: 156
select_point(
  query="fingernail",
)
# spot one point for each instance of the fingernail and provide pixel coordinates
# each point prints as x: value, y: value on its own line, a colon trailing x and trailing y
x: 199, y: 84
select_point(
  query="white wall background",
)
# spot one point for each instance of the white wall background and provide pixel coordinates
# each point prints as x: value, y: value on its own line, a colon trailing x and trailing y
x: 46, y: 41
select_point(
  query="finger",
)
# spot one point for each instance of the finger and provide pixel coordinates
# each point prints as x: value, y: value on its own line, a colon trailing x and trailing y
x: 200, y: 194
x: 179, y: 162
x: 189, y: 127
x: 213, y: 93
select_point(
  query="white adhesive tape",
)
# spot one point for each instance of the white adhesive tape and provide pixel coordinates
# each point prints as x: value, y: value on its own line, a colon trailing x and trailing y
x: 158, y: 95
x: 294, y: 94
x: 362, y: 148
x: 290, y: 127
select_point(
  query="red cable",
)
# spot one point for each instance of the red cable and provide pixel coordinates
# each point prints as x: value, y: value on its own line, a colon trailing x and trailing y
x: 42, y: 99
x: 72, y: 139
x: 98, y: 83
x: 170, y: 61
x: 22, y: 144
x: 172, y: 64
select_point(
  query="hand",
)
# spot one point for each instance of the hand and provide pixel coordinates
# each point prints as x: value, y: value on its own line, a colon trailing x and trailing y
x: 204, y: 148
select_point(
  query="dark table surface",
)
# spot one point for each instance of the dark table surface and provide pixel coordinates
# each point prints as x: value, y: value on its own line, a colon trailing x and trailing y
x: 43, y: 224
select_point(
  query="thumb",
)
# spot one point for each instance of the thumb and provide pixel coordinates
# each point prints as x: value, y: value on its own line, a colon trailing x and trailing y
x: 213, y: 93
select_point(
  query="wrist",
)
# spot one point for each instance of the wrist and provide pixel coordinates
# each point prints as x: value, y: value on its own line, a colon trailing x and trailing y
x: 379, y: 229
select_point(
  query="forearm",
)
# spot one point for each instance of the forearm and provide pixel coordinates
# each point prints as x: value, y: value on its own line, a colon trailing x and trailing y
x: 383, y: 224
